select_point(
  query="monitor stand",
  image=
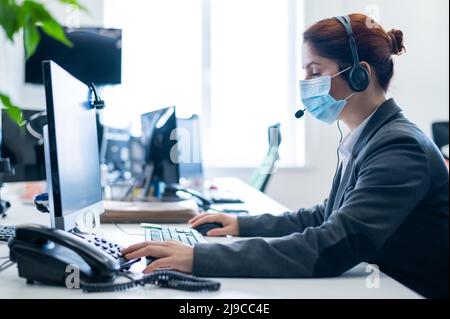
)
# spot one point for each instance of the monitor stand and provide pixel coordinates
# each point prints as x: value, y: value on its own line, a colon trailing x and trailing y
x: 170, y: 196
x: 148, y: 174
x: 161, y: 193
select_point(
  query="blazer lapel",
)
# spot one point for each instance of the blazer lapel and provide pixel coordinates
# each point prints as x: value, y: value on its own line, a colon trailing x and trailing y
x: 343, y: 185
x: 384, y: 114
x: 333, y: 192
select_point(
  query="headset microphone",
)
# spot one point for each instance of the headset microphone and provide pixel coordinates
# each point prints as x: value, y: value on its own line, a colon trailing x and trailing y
x: 299, y: 114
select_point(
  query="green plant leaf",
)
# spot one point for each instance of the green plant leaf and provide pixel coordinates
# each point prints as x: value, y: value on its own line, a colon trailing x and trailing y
x: 29, y: 15
x: 74, y: 3
x: 9, y: 17
x: 36, y: 11
x: 53, y: 29
x: 31, y: 38
x: 12, y: 110
x: 34, y: 14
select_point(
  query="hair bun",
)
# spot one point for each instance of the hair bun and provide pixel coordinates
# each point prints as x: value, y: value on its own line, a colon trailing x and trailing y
x: 397, y: 45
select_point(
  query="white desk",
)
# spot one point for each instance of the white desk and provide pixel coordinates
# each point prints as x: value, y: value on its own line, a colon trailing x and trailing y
x: 352, y: 284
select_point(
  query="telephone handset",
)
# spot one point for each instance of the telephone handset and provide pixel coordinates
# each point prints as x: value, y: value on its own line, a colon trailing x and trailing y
x: 43, y: 254
x: 201, y: 200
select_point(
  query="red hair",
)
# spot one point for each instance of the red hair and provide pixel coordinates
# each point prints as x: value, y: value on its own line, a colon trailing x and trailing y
x: 375, y: 46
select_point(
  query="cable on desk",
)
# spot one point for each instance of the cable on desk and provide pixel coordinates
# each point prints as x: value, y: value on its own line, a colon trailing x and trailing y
x: 5, y: 265
x: 5, y: 262
x: 164, y: 278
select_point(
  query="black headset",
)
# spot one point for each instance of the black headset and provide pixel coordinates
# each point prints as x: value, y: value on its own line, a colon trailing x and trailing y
x: 358, y: 76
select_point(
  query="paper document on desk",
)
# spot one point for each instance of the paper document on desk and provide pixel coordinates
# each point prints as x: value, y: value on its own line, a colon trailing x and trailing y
x: 149, y: 212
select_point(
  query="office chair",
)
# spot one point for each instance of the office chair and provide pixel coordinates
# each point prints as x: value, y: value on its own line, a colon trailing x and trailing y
x: 261, y: 176
x: 440, y: 134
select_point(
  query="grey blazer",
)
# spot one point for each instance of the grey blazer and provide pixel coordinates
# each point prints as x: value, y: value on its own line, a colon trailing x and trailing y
x: 389, y: 209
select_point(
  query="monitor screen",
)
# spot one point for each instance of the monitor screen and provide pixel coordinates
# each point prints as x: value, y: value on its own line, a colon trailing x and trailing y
x: 72, y: 144
x: 157, y: 127
x: 172, y: 145
x: 96, y: 55
x: 24, y: 146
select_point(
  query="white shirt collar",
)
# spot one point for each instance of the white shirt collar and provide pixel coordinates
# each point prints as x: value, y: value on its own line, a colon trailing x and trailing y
x: 347, y: 144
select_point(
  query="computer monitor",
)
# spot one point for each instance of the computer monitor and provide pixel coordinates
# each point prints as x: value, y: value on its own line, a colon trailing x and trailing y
x: 159, y: 142
x: 71, y: 149
x: 172, y: 147
x: 96, y: 55
x: 24, y: 146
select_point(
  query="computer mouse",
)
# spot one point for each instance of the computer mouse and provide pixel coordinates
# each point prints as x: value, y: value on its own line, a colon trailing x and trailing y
x: 150, y: 259
x: 206, y: 227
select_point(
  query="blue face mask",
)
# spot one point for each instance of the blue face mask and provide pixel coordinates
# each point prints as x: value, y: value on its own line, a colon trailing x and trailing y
x: 316, y: 98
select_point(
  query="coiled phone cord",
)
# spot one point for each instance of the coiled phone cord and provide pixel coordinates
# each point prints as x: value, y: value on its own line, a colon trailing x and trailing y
x: 164, y: 278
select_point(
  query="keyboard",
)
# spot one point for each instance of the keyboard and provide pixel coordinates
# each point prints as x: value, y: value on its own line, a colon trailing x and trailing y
x: 112, y: 249
x: 187, y: 236
x: 6, y: 232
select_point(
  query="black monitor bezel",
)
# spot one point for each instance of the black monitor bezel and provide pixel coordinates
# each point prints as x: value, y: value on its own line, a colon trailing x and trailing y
x: 60, y: 219
x: 56, y: 191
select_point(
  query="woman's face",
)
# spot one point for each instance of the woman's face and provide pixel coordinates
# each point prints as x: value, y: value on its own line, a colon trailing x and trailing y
x: 315, y: 66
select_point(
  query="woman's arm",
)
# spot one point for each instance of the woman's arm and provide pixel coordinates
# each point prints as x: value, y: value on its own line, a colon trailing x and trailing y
x: 268, y: 225
x: 391, y: 183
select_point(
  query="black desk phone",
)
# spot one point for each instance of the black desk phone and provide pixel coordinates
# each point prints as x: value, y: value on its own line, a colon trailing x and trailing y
x: 43, y: 254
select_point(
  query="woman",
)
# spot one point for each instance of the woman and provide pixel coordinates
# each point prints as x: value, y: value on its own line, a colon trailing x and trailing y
x: 389, y: 201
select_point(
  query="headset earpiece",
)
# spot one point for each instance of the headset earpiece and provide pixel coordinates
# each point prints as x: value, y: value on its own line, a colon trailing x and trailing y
x: 358, y: 77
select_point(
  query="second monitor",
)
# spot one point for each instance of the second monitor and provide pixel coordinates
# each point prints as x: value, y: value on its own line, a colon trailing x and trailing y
x: 171, y: 146
x: 23, y: 144
x: 173, y: 158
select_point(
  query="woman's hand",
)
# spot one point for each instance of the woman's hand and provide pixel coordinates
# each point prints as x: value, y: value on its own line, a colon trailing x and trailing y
x: 229, y: 222
x: 170, y: 254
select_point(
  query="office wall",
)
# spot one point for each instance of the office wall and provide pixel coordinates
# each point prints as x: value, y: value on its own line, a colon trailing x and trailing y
x: 420, y: 85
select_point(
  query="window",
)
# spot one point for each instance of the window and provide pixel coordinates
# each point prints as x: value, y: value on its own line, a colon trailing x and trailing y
x: 233, y: 62
x: 161, y: 58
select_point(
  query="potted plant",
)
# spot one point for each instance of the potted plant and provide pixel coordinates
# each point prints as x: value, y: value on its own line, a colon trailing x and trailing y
x: 26, y: 15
